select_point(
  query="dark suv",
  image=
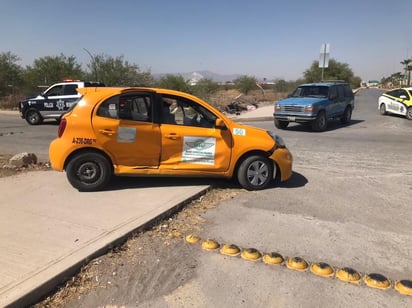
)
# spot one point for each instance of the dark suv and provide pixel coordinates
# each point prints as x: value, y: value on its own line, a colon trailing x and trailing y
x: 316, y: 103
x: 53, y: 102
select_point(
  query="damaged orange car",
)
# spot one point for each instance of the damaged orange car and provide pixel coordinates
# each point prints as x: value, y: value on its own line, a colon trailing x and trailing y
x: 160, y: 132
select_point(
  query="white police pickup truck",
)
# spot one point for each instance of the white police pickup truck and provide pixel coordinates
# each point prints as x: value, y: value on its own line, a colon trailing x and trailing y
x: 53, y: 102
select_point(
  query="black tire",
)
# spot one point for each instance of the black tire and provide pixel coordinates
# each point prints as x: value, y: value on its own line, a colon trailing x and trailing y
x: 320, y: 123
x: 347, y: 115
x: 409, y: 113
x: 89, y: 171
x: 33, y: 117
x: 382, y: 109
x: 281, y: 124
x: 255, y: 172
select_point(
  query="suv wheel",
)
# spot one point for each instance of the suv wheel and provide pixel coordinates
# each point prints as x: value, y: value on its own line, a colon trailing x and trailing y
x: 382, y: 109
x: 33, y: 117
x: 347, y: 115
x: 409, y: 113
x: 320, y: 123
x: 281, y: 124
x: 89, y: 171
x: 255, y: 172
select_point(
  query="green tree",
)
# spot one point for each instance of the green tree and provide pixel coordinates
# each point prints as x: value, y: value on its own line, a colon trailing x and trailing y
x: 335, y: 71
x: 204, y: 88
x: 245, y: 84
x: 174, y: 82
x: 115, y: 71
x: 51, y: 69
x: 10, y: 73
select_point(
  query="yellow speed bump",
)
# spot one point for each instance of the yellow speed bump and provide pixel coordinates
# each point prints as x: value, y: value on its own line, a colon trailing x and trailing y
x: 404, y: 287
x: 377, y: 281
x: 230, y: 250
x: 322, y: 269
x: 348, y: 274
x: 297, y: 264
x: 251, y: 254
x: 210, y: 245
x: 192, y: 239
x: 273, y: 258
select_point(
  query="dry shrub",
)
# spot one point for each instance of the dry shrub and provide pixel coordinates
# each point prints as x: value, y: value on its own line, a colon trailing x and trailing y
x: 10, y: 102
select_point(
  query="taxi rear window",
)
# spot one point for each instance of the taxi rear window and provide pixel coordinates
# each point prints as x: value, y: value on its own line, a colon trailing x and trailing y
x: 134, y: 107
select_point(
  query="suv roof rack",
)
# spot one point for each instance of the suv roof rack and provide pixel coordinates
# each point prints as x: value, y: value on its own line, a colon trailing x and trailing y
x: 336, y: 81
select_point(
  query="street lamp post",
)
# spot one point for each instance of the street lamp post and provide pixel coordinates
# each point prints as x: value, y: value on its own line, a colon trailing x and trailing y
x: 93, y: 64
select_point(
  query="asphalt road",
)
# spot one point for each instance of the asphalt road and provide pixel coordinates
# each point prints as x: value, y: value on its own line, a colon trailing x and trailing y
x: 17, y: 136
x: 347, y: 204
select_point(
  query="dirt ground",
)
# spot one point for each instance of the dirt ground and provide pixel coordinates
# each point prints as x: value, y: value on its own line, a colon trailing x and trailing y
x: 6, y: 170
x: 135, y: 263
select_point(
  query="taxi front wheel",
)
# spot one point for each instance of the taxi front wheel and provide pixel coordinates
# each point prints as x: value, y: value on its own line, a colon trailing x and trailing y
x: 409, y: 113
x: 89, y: 171
x: 255, y: 172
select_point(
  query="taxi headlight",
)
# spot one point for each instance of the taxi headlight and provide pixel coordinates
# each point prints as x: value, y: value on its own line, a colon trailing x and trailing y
x: 279, y: 141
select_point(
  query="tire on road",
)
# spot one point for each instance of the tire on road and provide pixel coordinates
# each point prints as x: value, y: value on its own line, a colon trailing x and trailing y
x: 347, y: 115
x: 320, y: 123
x: 382, y: 109
x: 281, y: 124
x: 89, y: 171
x: 33, y: 117
x: 409, y: 113
x: 255, y: 172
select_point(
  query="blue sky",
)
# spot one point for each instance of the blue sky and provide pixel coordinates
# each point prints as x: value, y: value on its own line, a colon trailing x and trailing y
x: 266, y: 38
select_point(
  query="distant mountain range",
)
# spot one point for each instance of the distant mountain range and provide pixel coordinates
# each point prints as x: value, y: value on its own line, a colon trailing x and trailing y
x: 197, y: 75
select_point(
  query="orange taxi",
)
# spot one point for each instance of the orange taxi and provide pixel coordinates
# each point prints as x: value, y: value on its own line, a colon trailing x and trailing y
x: 160, y: 132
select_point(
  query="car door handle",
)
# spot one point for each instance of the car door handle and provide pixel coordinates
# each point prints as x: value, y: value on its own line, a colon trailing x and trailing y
x: 172, y: 136
x: 107, y: 132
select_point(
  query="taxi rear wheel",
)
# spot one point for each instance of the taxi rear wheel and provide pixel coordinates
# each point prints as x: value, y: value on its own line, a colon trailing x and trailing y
x: 89, y: 171
x: 33, y: 117
x: 409, y: 113
x: 255, y: 172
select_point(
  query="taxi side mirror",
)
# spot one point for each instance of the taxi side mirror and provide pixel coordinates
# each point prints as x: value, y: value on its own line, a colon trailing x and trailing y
x: 402, y: 97
x: 220, y: 124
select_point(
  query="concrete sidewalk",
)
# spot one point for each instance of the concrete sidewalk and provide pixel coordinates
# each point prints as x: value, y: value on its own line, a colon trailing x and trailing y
x: 48, y: 229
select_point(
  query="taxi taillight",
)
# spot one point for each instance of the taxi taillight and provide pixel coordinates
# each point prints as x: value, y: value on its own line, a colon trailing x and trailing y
x: 62, y: 127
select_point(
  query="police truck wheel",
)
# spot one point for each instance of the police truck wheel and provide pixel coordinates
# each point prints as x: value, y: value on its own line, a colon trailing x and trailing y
x: 281, y: 124
x: 409, y: 113
x: 382, y: 109
x: 89, y: 171
x: 255, y: 172
x: 33, y: 117
x: 320, y: 123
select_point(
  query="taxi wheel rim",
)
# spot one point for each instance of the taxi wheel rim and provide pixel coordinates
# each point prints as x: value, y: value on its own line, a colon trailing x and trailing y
x: 409, y: 113
x: 383, y: 109
x: 257, y: 173
x: 88, y: 172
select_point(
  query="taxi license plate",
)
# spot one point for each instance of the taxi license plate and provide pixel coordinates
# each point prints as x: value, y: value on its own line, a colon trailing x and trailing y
x: 291, y: 118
